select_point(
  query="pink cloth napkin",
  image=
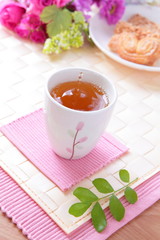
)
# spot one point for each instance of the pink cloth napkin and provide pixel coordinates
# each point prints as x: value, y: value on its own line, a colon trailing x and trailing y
x: 29, y: 135
x: 37, y: 225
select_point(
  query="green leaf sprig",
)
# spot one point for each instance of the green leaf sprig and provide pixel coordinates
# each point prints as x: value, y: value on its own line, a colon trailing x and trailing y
x: 65, y: 29
x: 88, y: 198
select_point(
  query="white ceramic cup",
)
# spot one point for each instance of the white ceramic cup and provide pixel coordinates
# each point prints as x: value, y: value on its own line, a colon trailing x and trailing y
x: 72, y: 133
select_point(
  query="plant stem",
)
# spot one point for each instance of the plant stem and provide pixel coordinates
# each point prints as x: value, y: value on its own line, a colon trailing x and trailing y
x: 113, y: 192
x: 73, y: 145
x: 117, y: 190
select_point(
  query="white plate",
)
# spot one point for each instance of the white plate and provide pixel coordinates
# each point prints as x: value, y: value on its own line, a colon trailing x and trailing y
x: 101, y: 33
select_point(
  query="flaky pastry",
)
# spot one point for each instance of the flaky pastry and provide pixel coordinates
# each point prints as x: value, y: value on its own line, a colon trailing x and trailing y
x: 144, y: 51
x: 137, y: 40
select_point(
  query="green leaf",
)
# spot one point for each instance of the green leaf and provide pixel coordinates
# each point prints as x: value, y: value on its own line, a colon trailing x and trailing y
x: 98, y: 218
x: 130, y: 195
x: 79, y: 147
x: 85, y: 195
x: 124, y: 175
x: 61, y: 22
x: 78, y: 17
x: 103, y: 185
x: 49, y: 13
x: 116, y: 208
x: 78, y: 209
x: 52, y: 30
x: 71, y: 133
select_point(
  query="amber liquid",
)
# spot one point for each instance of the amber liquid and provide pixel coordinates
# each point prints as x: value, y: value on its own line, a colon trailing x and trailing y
x: 79, y: 95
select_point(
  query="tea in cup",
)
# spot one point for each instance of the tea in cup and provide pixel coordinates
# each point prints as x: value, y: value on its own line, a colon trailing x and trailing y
x: 80, y: 95
x: 78, y: 106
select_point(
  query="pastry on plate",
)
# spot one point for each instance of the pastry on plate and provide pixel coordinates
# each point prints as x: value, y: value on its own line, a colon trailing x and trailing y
x: 137, y: 40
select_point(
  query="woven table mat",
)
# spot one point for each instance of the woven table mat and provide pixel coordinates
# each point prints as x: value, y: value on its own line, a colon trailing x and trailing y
x: 135, y: 120
x: 36, y: 224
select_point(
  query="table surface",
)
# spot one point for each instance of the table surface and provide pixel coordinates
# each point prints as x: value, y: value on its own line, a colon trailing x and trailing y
x: 141, y: 228
x: 137, y: 115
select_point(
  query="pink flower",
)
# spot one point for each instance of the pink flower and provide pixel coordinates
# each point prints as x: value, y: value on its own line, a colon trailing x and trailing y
x: 44, y: 3
x: 79, y: 126
x: 22, y: 31
x: 38, y: 5
x: 61, y: 3
x: 32, y: 20
x: 38, y: 36
x: 11, y: 14
x: 25, y: 3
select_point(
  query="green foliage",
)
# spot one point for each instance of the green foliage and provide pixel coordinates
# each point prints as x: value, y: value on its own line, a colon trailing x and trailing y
x: 57, y: 19
x: 88, y: 198
x: 64, y: 41
x: 130, y: 195
x: 102, y: 185
x: 78, y: 209
x: 61, y: 22
x: 78, y: 17
x: 124, y: 175
x: 65, y: 29
x: 116, y: 208
x: 98, y: 217
x: 48, y: 13
x: 85, y: 195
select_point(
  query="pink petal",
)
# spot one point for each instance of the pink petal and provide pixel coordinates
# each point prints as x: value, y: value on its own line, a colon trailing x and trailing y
x: 82, y: 139
x: 80, y: 126
x: 69, y: 150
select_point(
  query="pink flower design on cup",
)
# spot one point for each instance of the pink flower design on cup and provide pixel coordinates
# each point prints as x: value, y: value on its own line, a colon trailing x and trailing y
x: 79, y: 127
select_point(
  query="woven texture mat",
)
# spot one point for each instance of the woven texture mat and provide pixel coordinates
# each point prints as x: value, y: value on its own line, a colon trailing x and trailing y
x: 29, y: 135
x: 135, y: 121
x: 42, y: 227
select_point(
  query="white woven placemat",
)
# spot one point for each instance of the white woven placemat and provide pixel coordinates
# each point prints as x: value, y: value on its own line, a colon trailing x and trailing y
x: 136, y: 119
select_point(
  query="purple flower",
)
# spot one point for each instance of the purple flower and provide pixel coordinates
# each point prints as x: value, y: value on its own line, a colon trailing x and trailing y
x: 83, y: 5
x: 112, y: 10
x: 97, y: 2
x: 38, y: 36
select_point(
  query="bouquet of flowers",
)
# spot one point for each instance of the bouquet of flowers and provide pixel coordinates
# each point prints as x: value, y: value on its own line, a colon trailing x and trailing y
x: 58, y: 24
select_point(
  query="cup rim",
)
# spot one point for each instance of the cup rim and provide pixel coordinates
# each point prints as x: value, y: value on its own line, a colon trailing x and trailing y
x: 74, y: 110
